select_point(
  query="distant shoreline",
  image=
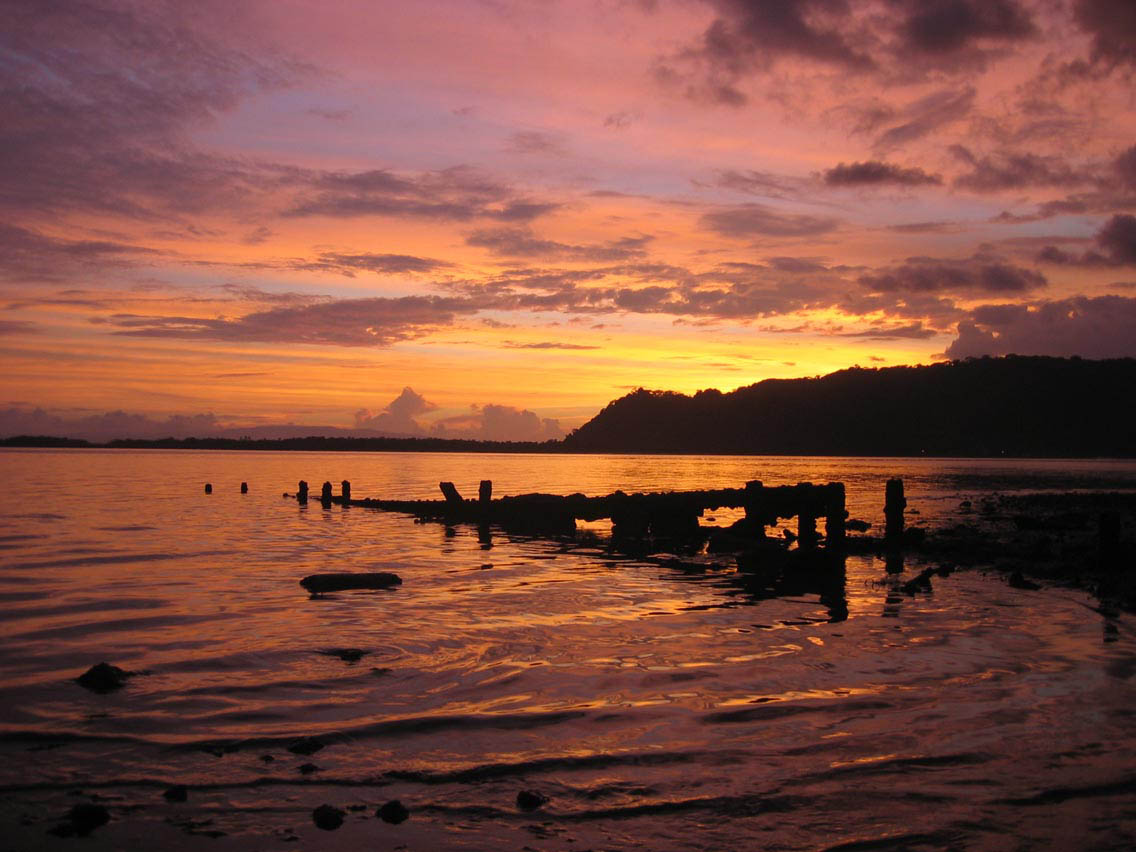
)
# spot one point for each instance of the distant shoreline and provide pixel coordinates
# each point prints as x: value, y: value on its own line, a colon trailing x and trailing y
x: 444, y: 445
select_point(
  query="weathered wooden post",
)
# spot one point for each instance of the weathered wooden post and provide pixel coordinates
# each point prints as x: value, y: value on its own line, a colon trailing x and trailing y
x: 835, y: 515
x: 302, y: 492
x: 485, y: 491
x: 453, y: 498
x: 345, y: 490
x: 325, y: 494
x: 894, y: 504
x: 208, y: 488
x: 244, y: 488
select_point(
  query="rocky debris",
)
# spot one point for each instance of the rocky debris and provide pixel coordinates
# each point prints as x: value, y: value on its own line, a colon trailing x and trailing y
x: 921, y: 582
x: 327, y: 817
x: 176, y: 793
x: 1018, y: 581
x: 530, y: 800
x: 393, y: 812
x: 348, y: 655
x: 306, y: 746
x: 81, y: 820
x: 103, y: 678
x: 318, y: 584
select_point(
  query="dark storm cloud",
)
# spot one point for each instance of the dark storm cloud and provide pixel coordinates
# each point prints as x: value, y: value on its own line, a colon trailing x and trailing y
x: 521, y: 242
x: 1125, y: 166
x: 938, y: 28
x: 1115, y: 241
x: 875, y: 172
x: 749, y: 32
x: 347, y: 322
x: 749, y: 220
x: 1112, y: 25
x: 1100, y: 327
x: 975, y: 275
x: 907, y: 38
x: 1008, y: 170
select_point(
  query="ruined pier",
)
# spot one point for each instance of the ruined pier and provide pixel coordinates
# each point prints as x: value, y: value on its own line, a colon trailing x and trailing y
x: 671, y: 514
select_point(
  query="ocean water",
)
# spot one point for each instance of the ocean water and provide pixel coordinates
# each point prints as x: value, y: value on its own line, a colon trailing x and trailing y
x: 658, y: 704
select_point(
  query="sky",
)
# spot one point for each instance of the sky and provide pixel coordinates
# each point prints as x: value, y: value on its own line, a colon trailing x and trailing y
x: 487, y: 218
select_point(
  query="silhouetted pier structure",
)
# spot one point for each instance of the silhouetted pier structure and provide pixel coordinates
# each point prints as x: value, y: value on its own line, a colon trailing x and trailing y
x: 671, y: 514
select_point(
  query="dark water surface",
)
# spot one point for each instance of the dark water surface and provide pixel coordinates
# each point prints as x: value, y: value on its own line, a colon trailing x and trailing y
x: 657, y: 706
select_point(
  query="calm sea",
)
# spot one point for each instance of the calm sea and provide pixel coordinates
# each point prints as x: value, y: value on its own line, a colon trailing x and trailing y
x: 657, y: 705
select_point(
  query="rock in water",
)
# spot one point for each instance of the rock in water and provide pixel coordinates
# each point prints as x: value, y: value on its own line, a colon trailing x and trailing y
x: 327, y: 817
x: 306, y: 746
x: 103, y: 678
x: 530, y: 800
x: 317, y: 584
x: 393, y: 812
x: 82, y: 820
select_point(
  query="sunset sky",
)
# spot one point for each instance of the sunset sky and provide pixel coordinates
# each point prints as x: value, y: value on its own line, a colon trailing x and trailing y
x: 243, y: 214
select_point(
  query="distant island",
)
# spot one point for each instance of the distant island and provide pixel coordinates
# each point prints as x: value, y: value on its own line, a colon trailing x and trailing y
x: 1016, y: 406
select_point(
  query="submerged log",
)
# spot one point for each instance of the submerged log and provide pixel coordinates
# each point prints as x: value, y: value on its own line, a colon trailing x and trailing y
x: 317, y: 584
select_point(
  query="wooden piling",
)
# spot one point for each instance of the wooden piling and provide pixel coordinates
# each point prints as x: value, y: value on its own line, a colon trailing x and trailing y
x: 345, y: 490
x: 208, y: 488
x: 325, y: 494
x: 485, y: 491
x: 835, y: 515
x: 302, y: 492
x: 244, y: 488
x: 453, y: 498
x: 894, y: 504
x: 806, y: 529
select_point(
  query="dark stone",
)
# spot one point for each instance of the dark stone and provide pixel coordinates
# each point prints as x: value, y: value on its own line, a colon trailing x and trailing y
x: 327, y: 817
x: 530, y: 800
x: 348, y: 655
x: 103, y: 677
x: 82, y: 820
x: 393, y: 812
x: 319, y: 583
x: 176, y: 793
x: 308, y: 768
x: 1018, y: 581
x: 306, y: 746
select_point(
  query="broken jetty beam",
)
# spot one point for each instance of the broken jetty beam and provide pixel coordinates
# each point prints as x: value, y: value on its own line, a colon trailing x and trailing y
x: 668, y: 514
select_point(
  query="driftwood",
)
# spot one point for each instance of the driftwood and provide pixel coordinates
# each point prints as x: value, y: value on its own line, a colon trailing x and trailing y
x: 317, y: 584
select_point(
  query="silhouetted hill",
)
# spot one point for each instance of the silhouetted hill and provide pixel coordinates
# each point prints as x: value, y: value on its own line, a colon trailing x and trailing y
x: 1017, y: 406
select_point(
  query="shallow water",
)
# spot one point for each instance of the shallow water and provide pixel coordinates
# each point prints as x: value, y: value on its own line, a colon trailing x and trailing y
x: 658, y: 705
